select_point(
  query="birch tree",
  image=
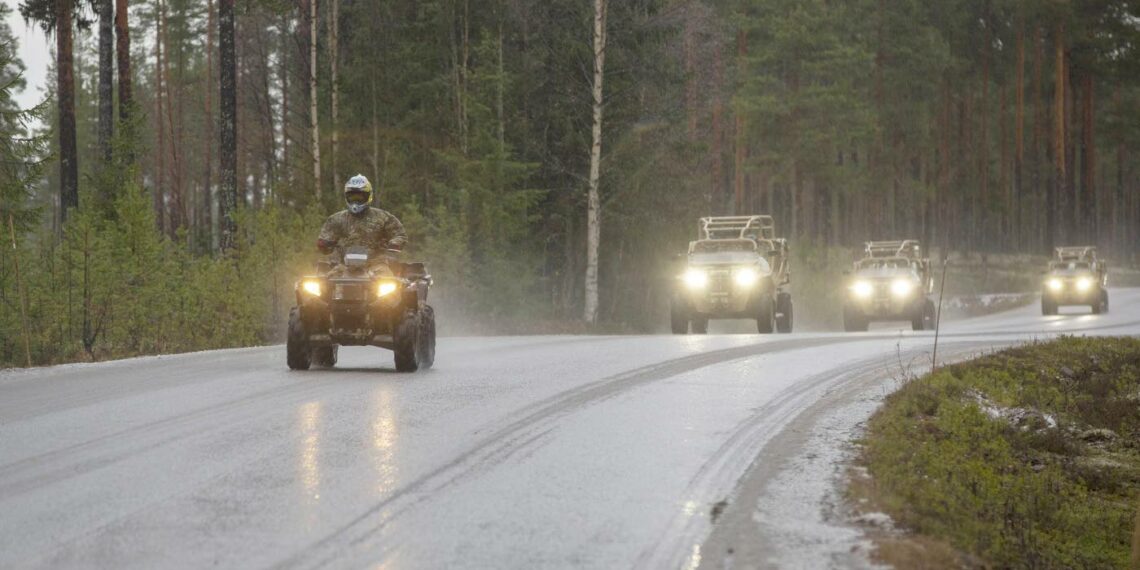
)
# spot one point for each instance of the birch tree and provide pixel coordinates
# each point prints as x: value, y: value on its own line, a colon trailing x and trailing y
x: 593, y: 206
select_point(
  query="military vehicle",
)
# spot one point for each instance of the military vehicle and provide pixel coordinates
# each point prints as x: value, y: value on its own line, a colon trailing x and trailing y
x: 363, y: 302
x: 736, y: 269
x: 1075, y: 277
x: 891, y: 283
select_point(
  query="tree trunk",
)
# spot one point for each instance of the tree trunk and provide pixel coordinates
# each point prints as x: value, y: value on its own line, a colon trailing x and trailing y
x: 334, y: 19
x: 314, y: 123
x: 740, y: 144
x: 158, y: 195
x: 717, y: 143
x: 1058, y: 128
x: 228, y: 109
x: 106, y: 79
x: 593, y: 203
x: 123, y: 53
x: 208, y: 154
x: 1089, y: 202
x: 984, y: 146
x: 65, y: 83
x: 1019, y: 140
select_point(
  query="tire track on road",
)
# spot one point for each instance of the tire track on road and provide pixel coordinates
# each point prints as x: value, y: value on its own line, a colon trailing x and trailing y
x: 508, y: 439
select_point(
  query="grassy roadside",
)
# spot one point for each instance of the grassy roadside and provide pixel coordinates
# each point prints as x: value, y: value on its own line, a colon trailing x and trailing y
x: 1027, y: 458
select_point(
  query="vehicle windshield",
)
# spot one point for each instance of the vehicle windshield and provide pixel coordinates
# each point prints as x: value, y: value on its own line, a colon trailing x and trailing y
x: 731, y: 258
x: 1070, y: 267
x: 723, y: 245
x: 886, y: 267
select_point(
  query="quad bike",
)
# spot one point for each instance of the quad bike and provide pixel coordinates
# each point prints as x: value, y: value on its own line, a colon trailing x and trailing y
x: 363, y: 302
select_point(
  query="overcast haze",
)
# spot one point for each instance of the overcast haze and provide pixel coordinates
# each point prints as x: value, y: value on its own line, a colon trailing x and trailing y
x: 34, y: 52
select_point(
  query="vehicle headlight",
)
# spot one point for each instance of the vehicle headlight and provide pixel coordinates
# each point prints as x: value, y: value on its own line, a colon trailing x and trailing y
x: 385, y: 288
x: 1054, y: 284
x: 901, y: 287
x: 312, y: 287
x: 862, y: 289
x: 1084, y: 283
x: 746, y: 277
x: 696, y: 279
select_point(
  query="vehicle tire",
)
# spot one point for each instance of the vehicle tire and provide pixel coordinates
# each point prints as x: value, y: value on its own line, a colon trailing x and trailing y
x: 766, y: 316
x: 298, y: 354
x: 1048, y: 307
x: 784, y: 313
x: 325, y: 356
x: 700, y: 325
x: 931, y: 315
x: 678, y: 319
x: 407, y: 340
x: 1104, y: 301
x: 427, y: 337
x: 853, y: 322
x: 918, y: 318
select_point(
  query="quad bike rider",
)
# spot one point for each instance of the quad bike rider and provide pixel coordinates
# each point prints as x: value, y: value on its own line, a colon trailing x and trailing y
x: 890, y: 283
x: 1075, y: 277
x: 738, y: 269
x: 361, y: 295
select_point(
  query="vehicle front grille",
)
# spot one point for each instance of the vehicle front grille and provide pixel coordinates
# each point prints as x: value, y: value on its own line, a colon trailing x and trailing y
x: 720, y: 281
x: 350, y: 292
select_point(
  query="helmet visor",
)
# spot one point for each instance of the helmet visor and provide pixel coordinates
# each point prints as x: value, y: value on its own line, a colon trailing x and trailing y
x: 357, y: 197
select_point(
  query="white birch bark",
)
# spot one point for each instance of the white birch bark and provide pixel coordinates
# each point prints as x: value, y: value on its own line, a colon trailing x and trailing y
x: 593, y: 204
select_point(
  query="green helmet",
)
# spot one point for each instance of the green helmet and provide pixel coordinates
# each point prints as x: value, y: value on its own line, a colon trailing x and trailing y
x: 358, y: 194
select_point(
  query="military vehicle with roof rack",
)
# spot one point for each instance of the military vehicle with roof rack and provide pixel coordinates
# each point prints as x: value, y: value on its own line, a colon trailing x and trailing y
x: 891, y: 283
x: 1075, y: 277
x: 736, y: 269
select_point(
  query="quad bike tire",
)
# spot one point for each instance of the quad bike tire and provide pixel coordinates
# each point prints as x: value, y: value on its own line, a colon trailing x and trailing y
x: 700, y: 325
x: 853, y: 322
x: 325, y: 356
x: 1048, y: 307
x: 427, y: 337
x: 407, y: 339
x: 784, y: 313
x: 298, y: 353
x: 766, y: 316
x: 678, y: 319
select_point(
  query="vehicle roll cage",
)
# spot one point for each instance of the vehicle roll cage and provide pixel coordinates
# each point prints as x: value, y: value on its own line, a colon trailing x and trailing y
x: 1075, y: 253
x: 755, y: 227
x: 907, y: 248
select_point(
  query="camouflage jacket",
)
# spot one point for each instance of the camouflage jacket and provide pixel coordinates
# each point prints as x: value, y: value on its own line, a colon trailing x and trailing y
x: 375, y: 229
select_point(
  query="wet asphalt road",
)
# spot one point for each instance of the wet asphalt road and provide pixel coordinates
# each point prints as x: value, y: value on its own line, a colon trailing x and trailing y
x: 515, y: 452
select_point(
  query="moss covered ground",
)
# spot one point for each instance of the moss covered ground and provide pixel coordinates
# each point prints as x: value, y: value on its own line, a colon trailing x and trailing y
x: 1025, y: 458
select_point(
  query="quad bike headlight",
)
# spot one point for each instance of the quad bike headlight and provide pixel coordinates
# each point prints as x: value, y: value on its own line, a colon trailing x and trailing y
x: 1054, y: 284
x: 902, y: 287
x: 746, y: 277
x: 862, y: 289
x: 696, y: 279
x: 312, y: 287
x: 1084, y: 284
x: 385, y: 288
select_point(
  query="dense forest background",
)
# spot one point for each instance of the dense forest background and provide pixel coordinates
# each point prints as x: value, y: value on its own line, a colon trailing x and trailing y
x: 168, y: 191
